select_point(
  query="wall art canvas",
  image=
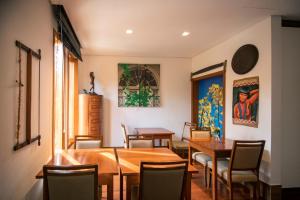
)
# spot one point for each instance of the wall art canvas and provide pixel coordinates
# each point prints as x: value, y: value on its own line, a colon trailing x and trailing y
x: 210, y: 107
x: 138, y: 85
x: 245, y: 101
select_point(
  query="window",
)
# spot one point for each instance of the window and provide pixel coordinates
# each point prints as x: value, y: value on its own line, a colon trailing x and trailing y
x: 65, y: 96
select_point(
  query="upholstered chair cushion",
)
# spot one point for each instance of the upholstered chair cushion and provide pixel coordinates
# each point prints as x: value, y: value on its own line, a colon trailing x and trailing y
x: 199, y: 134
x: 237, y: 176
x: 64, y: 187
x: 201, y: 157
x: 164, y: 185
x: 246, y: 157
x: 222, y: 166
x: 180, y: 144
x: 88, y: 144
x: 140, y: 143
x: 241, y: 176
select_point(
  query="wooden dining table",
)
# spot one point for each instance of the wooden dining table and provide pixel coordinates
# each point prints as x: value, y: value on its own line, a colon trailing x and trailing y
x: 104, y: 157
x: 130, y: 159
x: 156, y: 133
x: 215, y: 149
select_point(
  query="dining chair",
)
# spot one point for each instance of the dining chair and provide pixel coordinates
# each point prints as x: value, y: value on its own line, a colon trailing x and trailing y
x: 198, y: 156
x: 181, y: 147
x: 87, y: 142
x: 243, y: 166
x: 79, y: 182
x: 135, y: 141
x: 162, y: 180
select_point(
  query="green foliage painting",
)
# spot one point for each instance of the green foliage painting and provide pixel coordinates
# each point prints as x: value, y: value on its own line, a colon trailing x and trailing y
x: 138, y: 85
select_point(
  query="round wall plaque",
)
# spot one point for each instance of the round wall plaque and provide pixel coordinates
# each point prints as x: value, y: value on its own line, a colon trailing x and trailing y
x: 244, y: 59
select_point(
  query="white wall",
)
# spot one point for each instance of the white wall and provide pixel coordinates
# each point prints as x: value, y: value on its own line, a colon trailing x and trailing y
x: 259, y: 35
x: 174, y: 89
x: 30, y: 22
x: 291, y: 107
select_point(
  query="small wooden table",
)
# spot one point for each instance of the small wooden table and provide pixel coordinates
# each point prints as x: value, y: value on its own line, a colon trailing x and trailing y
x: 130, y: 159
x: 156, y: 133
x: 105, y: 158
x: 216, y: 150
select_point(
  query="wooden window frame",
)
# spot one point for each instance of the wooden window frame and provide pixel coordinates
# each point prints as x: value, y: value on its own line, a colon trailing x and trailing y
x: 195, y: 91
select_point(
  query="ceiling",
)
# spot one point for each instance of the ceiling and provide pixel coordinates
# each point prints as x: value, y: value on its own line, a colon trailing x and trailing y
x: 157, y: 24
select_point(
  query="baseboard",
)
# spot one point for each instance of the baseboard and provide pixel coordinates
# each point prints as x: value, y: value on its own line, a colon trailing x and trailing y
x: 290, y: 193
x: 270, y: 192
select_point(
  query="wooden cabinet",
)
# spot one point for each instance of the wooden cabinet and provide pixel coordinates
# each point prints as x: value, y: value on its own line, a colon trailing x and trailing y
x: 90, y: 115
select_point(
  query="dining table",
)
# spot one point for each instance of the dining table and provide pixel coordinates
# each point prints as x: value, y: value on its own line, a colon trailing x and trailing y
x: 216, y: 149
x: 104, y: 157
x: 129, y: 162
x: 156, y: 133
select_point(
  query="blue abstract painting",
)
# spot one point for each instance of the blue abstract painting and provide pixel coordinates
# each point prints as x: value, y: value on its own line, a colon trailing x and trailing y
x: 210, y: 108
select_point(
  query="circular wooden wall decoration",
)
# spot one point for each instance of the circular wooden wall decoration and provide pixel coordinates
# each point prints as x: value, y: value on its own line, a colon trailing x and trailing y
x: 244, y: 59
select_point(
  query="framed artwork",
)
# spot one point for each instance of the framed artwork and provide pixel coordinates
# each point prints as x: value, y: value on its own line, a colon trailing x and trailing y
x: 245, y: 101
x: 138, y: 85
x: 210, y: 108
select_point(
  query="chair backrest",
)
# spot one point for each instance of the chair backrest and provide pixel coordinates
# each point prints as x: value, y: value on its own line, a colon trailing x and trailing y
x: 87, y: 142
x: 141, y: 143
x: 124, y: 134
x: 70, y: 182
x: 246, y: 155
x: 200, y: 134
x: 188, y: 126
x: 162, y: 180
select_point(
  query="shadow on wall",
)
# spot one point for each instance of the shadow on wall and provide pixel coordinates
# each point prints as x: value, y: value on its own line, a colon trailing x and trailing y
x: 36, y: 191
x: 265, y: 167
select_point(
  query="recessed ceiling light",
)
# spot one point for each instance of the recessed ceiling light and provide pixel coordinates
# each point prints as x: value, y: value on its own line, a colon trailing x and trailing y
x: 129, y: 31
x: 185, y: 33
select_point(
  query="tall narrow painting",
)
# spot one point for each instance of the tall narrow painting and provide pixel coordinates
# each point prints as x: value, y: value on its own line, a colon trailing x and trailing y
x: 138, y: 85
x: 245, y: 101
x: 210, y: 107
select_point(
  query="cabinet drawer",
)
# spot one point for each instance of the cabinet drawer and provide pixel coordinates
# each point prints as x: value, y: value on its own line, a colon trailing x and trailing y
x: 94, y: 128
x: 94, y: 115
x: 94, y: 107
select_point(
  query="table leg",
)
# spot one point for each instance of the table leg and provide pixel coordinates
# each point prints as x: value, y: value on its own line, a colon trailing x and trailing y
x: 130, y: 181
x: 128, y: 187
x: 110, y: 188
x: 170, y: 142
x: 121, y: 185
x: 214, y: 177
x: 188, y: 191
x: 190, y: 156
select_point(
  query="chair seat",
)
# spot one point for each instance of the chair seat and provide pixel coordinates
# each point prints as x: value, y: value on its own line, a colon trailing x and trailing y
x: 201, y: 157
x: 180, y: 144
x: 237, y: 176
x: 222, y: 166
x: 241, y: 176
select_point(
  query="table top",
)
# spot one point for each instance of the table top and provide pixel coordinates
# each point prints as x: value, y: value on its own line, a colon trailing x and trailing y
x: 104, y: 157
x: 212, y: 144
x: 130, y: 159
x: 153, y: 131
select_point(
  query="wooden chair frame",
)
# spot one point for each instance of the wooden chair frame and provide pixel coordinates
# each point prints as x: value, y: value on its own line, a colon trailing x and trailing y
x: 87, y: 138
x: 79, y: 169
x: 192, y: 127
x: 167, y: 166
x: 134, y: 137
x: 255, y: 170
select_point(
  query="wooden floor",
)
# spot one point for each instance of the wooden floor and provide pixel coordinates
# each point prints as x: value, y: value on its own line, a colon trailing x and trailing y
x: 198, y: 189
